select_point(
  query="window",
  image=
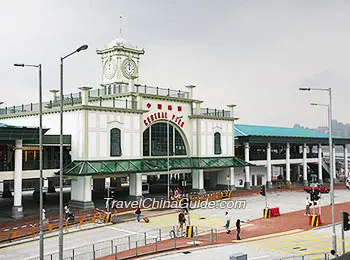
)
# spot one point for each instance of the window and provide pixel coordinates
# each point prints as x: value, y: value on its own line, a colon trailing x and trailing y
x: 155, y: 141
x: 116, y: 149
x: 217, y: 143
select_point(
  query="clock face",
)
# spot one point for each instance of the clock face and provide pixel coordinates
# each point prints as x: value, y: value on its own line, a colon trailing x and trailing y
x: 110, y: 68
x: 129, y: 68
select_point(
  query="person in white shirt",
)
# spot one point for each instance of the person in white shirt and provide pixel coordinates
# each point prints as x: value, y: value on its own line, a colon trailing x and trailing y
x: 307, y: 206
x: 227, y: 226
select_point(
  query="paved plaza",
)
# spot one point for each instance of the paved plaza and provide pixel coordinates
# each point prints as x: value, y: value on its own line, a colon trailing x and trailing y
x: 204, y: 219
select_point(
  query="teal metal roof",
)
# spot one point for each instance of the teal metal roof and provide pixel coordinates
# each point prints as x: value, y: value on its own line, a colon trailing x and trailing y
x: 272, y: 131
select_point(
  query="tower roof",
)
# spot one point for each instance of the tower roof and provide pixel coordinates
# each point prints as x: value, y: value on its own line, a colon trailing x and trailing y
x: 120, y: 42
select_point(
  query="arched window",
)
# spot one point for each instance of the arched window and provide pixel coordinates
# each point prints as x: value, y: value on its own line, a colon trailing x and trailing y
x: 116, y: 149
x: 155, y: 141
x: 217, y: 143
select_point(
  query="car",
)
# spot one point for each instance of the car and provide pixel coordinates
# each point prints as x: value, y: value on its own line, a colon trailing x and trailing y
x: 316, y: 186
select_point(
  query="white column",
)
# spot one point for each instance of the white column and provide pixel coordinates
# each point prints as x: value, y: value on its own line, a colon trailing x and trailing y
x: 305, y: 164
x: 135, y: 185
x: 320, y: 180
x: 246, y: 168
x: 269, y: 178
x: 346, y: 169
x: 81, y: 193
x: 232, y: 178
x: 198, y: 180
x: 334, y: 164
x: 17, y: 209
x: 288, y: 163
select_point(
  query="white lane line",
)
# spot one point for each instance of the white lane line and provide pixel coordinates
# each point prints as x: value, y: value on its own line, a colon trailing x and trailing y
x: 123, y: 230
x: 258, y: 257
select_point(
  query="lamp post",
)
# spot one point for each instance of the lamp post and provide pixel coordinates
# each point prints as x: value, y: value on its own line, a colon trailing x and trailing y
x: 60, y: 240
x: 41, y: 232
x: 168, y: 154
x: 334, y: 238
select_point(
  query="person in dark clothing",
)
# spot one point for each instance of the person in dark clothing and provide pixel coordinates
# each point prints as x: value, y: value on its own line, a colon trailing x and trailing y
x: 182, y: 221
x: 238, y: 226
x: 138, y: 214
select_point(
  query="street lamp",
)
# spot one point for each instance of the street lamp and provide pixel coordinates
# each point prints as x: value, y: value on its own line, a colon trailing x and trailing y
x: 168, y: 153
x: 334, y: 238
x: 41, y: 232
x: 60, y: 240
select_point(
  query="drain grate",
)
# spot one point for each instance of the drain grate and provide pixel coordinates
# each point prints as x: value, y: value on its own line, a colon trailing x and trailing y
x: 296, y: 247
x: 186, y: 252
x: 202, y: 218
x: 303, y: 249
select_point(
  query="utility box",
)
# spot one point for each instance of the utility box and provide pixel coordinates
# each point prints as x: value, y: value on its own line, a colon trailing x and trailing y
x: 239, y: 256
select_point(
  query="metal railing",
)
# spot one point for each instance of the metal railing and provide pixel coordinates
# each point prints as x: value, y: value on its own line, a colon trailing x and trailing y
x: 213, y: 112
x: 314, y: 256
x: 135, y: 244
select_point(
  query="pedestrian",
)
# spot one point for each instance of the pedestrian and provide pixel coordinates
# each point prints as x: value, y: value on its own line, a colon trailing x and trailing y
x: 182, y: 221
x: 307, y: 205
x: 238, y: 226
x: 138, y: 214
x: 44, y: 214
x: 227, y: 226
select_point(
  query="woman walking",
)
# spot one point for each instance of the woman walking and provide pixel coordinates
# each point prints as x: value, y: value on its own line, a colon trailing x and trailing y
x: 238, y: 226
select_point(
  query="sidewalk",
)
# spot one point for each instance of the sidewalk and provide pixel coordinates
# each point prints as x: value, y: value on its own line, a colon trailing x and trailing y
x: 289, y: 223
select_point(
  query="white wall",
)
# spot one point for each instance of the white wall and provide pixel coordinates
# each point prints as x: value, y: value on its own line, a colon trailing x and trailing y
x: 239, y: 174
x: 208, y: 128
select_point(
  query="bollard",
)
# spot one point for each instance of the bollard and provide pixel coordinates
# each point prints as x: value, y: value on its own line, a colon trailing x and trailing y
x: 160, y: 235
x: 73, y: 254
x: 116, y: 253
x: 194, y: 240
x: 136, y: 248
x: 145, y: 238
x: 93, y: 251
x: 212, y: 236
x: 112, y: 246
x: 129, y: 242
x: 81, y: 222
x: 50, y: 227
x: 93, y: 220
x: 175, y: 242
x: 196, y: 233
x: 156, y: 240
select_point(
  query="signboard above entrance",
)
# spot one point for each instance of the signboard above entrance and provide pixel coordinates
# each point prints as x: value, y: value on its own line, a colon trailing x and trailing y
x: 163, y: 116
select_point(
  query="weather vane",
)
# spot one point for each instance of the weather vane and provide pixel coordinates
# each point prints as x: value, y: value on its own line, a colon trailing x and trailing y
x: 120, y: 30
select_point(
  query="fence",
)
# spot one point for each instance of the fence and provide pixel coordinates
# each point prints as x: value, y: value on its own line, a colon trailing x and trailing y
x: 315, y: 256
x: 148, y: 242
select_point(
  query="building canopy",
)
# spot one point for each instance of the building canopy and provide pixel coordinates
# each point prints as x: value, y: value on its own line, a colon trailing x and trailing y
x: 108, y: 167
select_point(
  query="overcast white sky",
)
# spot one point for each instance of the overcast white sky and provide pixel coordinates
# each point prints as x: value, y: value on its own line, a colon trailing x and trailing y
x: 255, y: 54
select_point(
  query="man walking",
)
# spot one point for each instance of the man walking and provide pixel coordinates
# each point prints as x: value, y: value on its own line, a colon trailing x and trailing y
x: 227, y: 226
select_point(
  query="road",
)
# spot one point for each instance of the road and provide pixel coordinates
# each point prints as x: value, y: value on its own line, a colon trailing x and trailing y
x: 204, y: 218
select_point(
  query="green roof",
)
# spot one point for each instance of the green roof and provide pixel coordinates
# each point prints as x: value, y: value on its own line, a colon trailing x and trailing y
x: 272, y: 131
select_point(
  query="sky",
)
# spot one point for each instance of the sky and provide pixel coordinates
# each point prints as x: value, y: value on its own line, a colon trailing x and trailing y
x: 255, y: 54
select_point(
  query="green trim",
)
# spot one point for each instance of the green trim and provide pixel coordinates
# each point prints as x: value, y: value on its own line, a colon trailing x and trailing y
x: 76, y: 108
x: 51, y: 140
x: 86, y: 168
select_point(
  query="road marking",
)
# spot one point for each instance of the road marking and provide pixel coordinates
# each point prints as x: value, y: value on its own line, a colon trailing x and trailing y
x: 269, y: 236
x: 259, y: 257
x: 123, y: 230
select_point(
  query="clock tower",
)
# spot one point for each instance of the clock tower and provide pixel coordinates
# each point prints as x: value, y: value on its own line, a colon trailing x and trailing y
x: 120, y: 62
